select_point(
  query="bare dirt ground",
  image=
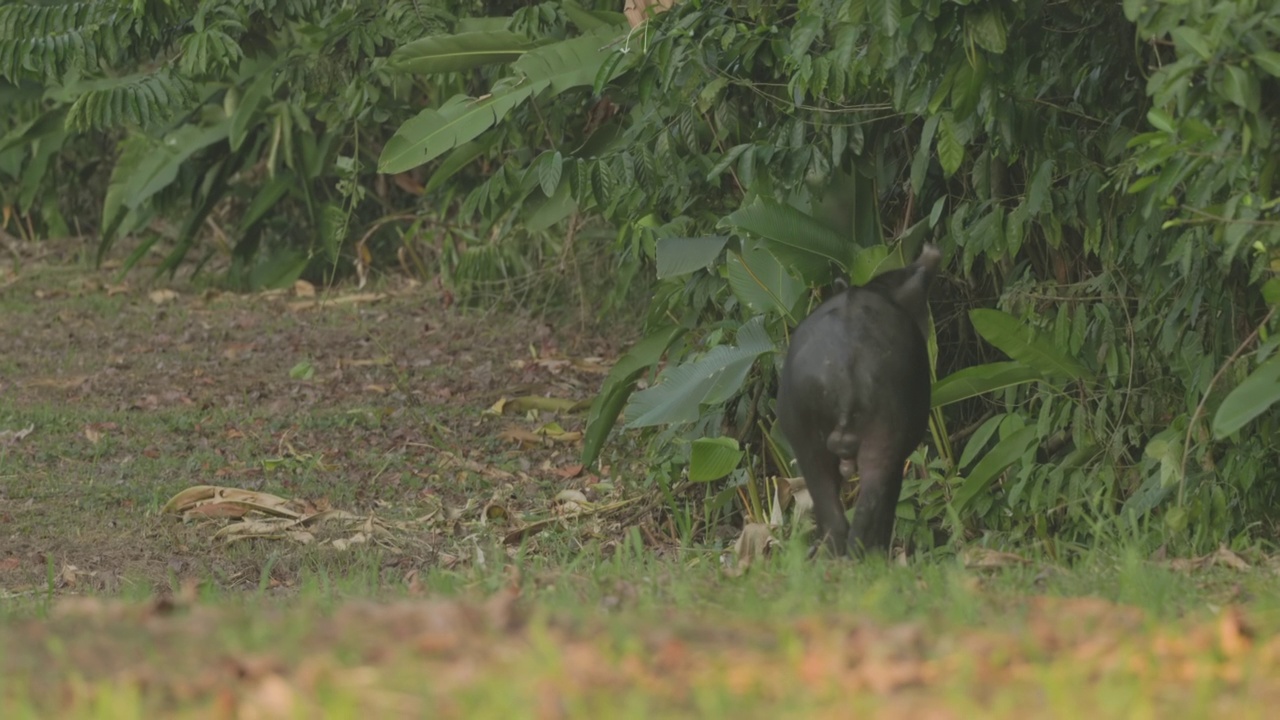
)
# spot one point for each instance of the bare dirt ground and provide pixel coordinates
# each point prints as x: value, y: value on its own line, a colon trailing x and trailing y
x: 117, y: 394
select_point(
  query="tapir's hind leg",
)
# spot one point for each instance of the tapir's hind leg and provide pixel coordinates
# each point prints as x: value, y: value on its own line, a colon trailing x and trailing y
x: 880, y: 464
x: 821, y: 471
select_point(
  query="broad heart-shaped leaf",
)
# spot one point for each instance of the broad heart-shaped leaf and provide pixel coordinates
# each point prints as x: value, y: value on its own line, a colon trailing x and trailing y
x: 797, y: 238
x: 1005, y: 453
x: 713, y: 458
x: 709, y: 380
x: 618, y: 385
x: 1250, y: 399
x: 974, y: 381
x: 683, y: 255
x: 559, y: 66
x: 450, y: 53
x: 761, y: 282
x: 1022, y: 344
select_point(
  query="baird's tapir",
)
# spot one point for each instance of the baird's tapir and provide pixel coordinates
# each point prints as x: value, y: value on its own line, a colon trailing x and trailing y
x: 855, y: 387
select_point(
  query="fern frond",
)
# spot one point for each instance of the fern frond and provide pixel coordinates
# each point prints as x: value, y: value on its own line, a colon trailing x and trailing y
x: 50, y: 40
x: 141, y: 100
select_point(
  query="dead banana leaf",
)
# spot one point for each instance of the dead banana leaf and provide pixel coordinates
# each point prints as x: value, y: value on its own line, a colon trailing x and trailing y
x: 235, y: 502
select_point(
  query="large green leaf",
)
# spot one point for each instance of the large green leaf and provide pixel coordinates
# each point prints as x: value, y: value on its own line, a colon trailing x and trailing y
x: 711, y: 379
x: 571, y: 63
x: 266, y: 198
x: 451, y: 53
x: 544, y: 212
x: 590, y: 19
x: 1006, y: 452
x: 246, y: 115
x: 458, y: 159
x: 974, y: 381
x: 432, y: 133
x: 1250, y: 399
x: 795, y: 236
x: 145, y: 167
x: 761, y: 282
x: 683, y: 255
x: 618, y: 385
x: 1021, y: 343
x: 559, y: 66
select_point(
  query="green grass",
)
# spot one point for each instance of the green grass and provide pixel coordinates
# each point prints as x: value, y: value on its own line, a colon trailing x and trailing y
x: 676, y: 638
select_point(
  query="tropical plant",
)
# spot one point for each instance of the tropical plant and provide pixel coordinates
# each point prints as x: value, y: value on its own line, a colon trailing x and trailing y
x: 1108, y: 235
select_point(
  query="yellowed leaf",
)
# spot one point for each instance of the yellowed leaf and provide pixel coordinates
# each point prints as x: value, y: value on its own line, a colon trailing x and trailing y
x: 304, y: 289
x: 160, y: 297
x: 521, y: 436
x: 637, y: 11
x: 753, y: 543
x: 980, y: 558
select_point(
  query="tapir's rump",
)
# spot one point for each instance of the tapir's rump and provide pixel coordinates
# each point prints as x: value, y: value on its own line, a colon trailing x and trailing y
x: 855, y: 386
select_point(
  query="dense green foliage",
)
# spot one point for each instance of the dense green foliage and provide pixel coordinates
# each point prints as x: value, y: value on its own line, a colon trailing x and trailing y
x: 1100, y: 177
x: 1104, y: 216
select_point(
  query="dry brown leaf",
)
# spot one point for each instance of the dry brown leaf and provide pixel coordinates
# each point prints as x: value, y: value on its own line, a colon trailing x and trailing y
x: 198, y: 495
x: 555, y: 433
x: 1222, y: 556
x: 236, y: 351
x: 593, y: 365
x: 494, y: 511
x: 538, y: 402
x: 1225, y: 557
x: 800, y: 495
x: 637, y: 11
x: 568, y: 471
x: 14, y: 436
x: 355, y: 298
x: 218, y: 510
x: 980, y: 558
x: 365, y: 362
x: 754, y: 542
x: 572, y: 501
x: 160, y: 297
x: 304, y: 289
x: 1235, y: 636
x: 57, y: 383
x: 521, y: 436
x: 10, y: 563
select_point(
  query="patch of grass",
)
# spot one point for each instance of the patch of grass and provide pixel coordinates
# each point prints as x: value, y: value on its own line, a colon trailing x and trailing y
x: 641, y: 637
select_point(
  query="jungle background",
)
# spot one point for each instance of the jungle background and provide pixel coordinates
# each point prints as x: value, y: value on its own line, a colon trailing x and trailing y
x: 331, y: 298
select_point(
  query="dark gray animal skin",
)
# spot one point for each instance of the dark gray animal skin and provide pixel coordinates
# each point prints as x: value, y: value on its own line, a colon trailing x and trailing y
x: 855, y: 387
